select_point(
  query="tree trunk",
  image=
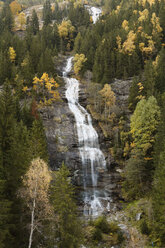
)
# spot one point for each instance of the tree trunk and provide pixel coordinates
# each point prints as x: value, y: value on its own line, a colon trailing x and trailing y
x: 32, y: 218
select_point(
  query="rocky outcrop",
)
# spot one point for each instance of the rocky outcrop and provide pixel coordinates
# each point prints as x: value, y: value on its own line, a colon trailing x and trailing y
x: 61, y: 135
x: 121, y: 89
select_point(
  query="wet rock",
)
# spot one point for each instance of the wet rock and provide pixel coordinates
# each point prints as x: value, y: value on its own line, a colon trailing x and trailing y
x: 121, y: 89
x: 61, y: 135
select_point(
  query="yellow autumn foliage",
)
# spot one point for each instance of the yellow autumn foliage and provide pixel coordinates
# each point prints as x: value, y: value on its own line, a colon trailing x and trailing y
x: 78, y: 3
x: 12, y: 54
x: 143, y: 15
x: 108, y: 95
x: 156, y: 24
x: 21, y: 19
x: 125, y: 25
x: 44, y: 85
x: 15, y: 7
x: 128, y: 45
x: 118, y: 41
x: 36, y: 184
x: 25, y: 89
x: 79, y: 60
x: 143, y: 2
x: 109, y: 99
x: 155, y: 63
x: 117, y: 9
x: 66, y: 29
x: 147, y: 49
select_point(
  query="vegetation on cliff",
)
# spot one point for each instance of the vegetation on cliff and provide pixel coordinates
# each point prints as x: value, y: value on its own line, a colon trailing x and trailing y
x: 127, y: 42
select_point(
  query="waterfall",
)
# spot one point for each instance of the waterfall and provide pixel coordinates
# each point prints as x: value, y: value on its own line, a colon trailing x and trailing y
x: 94, y: 12
x: 92, y: 157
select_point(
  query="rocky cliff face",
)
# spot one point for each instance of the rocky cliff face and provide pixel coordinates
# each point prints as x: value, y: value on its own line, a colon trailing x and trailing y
x: 61, y: 134
x: 62, y: 140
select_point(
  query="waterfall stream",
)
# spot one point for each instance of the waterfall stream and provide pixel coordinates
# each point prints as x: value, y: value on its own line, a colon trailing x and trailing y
x: 95, y: 12
x: 92, y: 158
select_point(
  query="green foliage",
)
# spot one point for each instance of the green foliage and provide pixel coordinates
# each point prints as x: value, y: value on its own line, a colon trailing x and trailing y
x: 34, y: 24
x: 149, y: 82
x: 144, y: 123
x: 6, y: 19
x: 137, y: 176
x: 79, y: 16
x: 103, y: 233
x: 38, y: 141
x: 133, y: 94
x: 117, y: 51
x: 144, y: 227
x: 160, y: 77
x: 158, y: 192
x: 68, y: 225
x: 47, y: 13
x: 102, y: 224
x: 159, y: 199
x: 139, y: 167
x: 5, y: 216
x: 97, y: 235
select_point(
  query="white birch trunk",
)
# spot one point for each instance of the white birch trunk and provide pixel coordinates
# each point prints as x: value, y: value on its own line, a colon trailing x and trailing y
x: 32, y: 217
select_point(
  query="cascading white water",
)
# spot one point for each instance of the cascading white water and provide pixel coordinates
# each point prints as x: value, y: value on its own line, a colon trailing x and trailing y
x: 90, y: 153
x: 94, y: 12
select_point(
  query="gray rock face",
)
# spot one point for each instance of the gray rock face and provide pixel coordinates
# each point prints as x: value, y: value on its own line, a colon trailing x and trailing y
x: 121, y: 89
x: 61, y: 135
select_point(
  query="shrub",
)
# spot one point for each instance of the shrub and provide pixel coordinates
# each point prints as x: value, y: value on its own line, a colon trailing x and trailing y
x: 102, y: 224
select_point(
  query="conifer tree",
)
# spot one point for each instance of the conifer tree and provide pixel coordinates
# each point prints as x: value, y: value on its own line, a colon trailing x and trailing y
x: 47, y: 13
x: 34, y: 23
x: 159, y: 199
x: 5, y: 209
x: 38, y: 141
x: 6, y: 18
x: 68, y: 230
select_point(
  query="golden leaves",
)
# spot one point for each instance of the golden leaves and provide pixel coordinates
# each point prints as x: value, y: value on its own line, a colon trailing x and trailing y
x: 143, y: 2
x: 149, y: 49
x: 143, y: 15
x: 21, y: 19
x: 128, y: 45
x: 125, y: 25
x: 65, y: 29
x: 141, y: 88
x: 118, y: 41
x: 25, y: 88
x: 46, y: 83
x: 15, y: 7
x: 12, y: 54
x: 156, y: 25
x: 155, y: 63
x: 46, y: 88
x: 79, y: 60
x: 108, y: 95
x: 36, y: 185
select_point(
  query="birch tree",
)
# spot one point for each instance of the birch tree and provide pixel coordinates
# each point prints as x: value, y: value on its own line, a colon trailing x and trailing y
x: 35, y: 194
x: 108, y: 97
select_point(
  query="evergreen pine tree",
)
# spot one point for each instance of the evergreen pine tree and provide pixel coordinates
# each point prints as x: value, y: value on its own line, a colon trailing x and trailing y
x: 68, y: 231
x: 47, y: 13
x: 38, y: 141
x: 34, y: 23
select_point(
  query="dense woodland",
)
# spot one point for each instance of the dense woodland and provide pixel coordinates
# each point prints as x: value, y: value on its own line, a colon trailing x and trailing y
x: 128, y: 42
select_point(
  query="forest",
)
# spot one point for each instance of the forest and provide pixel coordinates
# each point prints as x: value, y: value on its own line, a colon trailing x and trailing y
x: 38, y: 205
